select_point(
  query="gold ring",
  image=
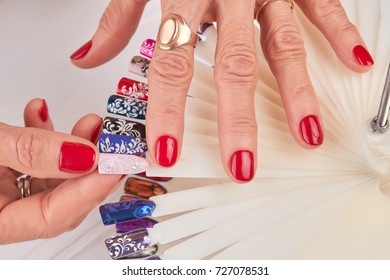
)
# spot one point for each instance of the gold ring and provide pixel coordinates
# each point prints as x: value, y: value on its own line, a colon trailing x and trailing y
x: 174, y: 32
x: 266, y: 2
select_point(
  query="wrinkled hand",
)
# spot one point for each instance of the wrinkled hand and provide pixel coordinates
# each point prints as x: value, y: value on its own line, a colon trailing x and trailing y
x: 235, y: 70
x: 65, y: 186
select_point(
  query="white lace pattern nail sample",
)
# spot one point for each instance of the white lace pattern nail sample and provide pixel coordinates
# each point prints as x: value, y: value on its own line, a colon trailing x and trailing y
x: 121, y: 164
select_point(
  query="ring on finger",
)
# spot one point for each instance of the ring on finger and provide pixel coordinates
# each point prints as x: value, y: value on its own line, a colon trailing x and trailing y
x: 174, y: 32
x: 266, y: 2
x: 24, y: 185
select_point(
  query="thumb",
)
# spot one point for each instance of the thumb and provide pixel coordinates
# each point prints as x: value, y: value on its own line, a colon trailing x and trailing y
x: 117, y: 25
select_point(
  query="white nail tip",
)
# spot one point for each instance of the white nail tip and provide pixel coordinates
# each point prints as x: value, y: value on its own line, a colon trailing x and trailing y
x: 121, y: 164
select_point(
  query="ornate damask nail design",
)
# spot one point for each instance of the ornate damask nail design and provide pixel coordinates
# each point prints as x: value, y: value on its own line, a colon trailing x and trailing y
x: 133, y: 89
x: 128, y: 243
x: 153, y: 258
x: 148, y: 252
x: 127, y: 107
x: 140, y: 66
x: 123, y: 211
x: 147, y: 48
x: 143, y: 188
x: 121, y: 164
x: 123, y: 127
x: 201, y: 29
x: 133, y: 225
x: 124, y: 145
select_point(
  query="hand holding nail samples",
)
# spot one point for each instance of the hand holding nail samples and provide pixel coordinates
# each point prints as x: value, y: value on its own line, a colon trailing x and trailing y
x: 235, y: 69
x: 65, y: 185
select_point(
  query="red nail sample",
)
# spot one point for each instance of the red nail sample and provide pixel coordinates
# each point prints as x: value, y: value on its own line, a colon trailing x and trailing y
x: 76, y: 157
x: 44, y: 112
x: 362, y: 55
x: 96, y: 132
x: 133, y: 89
x: 311, y: 131
x: 242, y: 165
x: 82, y: 51
x: 166, y: 151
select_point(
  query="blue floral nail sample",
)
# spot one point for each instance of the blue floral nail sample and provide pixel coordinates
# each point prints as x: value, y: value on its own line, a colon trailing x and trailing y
x: 128, y: 243
x: 128, y: 107
x: 123, y: 127
x: 148, y: 252
x: 124, y: 145
x: 123, y: 211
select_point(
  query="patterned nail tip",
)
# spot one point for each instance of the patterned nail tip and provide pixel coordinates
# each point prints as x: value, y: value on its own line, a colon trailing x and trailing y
x: 127, y: 107
x: 140, y: 66
x: 123, y: 127
x: 133, y: 89
x: 153, y: 258
x: 128, y: 243
x: 147, y: 48
x: 201, y: 29
x: 148, y: 252
x: 124, y: 211
x: 133, y: 225
x: 124, y: 145
x: 143, y: 188
x: 161, y: 179
x: 121, y: 164
x: 128, y: 197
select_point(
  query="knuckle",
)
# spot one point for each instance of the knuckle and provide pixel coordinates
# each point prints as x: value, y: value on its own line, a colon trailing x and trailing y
x: 239, y: 124
x: 28, y: 149
x: 301, y: 94
x: 170, y: 114
x: 327, y: 8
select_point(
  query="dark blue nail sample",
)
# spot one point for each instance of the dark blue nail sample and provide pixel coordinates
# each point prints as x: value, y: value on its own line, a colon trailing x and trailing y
x: 123, y: 211
x: 124, y: 145
x: 128, y: 107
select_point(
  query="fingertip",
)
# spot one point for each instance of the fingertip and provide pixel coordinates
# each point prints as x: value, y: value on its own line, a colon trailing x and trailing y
x: 36, y: 114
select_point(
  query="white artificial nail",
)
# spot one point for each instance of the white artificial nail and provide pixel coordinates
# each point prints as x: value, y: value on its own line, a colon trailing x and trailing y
x: 121, y: 164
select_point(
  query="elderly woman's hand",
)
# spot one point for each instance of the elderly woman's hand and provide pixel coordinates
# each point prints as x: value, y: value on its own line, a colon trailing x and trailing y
x: 235, y: 71
x: 65, y: 186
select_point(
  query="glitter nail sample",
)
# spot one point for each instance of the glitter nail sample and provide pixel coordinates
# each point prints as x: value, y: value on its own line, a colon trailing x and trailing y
x: 121, y: 164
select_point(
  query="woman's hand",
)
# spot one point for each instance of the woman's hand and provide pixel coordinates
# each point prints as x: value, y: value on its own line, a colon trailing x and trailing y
x: 65, y: 186
x: 235, y: 70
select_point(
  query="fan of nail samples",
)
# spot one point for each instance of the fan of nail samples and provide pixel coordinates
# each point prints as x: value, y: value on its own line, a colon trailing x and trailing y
x: 328, y: 203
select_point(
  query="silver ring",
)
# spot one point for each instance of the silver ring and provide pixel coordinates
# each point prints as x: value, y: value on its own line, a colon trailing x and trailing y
x: 24, y: 185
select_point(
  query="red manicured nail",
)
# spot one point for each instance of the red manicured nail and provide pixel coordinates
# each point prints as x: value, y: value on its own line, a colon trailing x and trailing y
x: 96, y: 132
x: 362, y: 56
x: 76, y: 158
x: 311, y: 131
x: 82, y: 51
x: 242, y: 165
x: 44, y: 112
x: 166, y: 151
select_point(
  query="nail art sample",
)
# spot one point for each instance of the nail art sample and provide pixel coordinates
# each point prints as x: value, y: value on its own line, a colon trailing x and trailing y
x: 147, y: 48
x: 128, y: 197
x: 133, y: 225
x: 123, y: 211
x: 121, y: 164
x: 124, y: 145
x: 161, y: 179
x: 125, y: 244
x: 140, y: 66
x: 148, y: 252
x: 143, y: 188
x: 127, y: 107
x: 201, y: 29
x: 123, y: 127
x: 311, y: 130
x: 133, y: 89
x: 153, y: 258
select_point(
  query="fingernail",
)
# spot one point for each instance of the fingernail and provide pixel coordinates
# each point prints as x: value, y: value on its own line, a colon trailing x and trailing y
x: 44, y: 112
x: 140, y: 66
x: 123, y: 127
x: 362, y: 55
x: 148, y: 252
x: 96, y: 132
x: 124, y: 145
x: 133, y: 89
x: 76, y: 157
x: 161, y: 179
x: 82, y: 51
x: 121, y: 164
x: 147, y: 47
x: 133, y: 225
x: 311, y: 130
x: 127, y: 107
x: 125, y: 244
x: 143, y: 188
x: 123, y: 211
x: 166, y: 151
x: 242, y: 165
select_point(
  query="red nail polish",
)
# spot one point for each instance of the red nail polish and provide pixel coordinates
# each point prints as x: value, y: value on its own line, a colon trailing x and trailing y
x: 82, y: 51
x: 76, y: 158
x: 96, y: 132
x: 362, y: 56
x: 44, y: 112
x: 311, y: 131
x: 166, y: 151
x: 242, y: 165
